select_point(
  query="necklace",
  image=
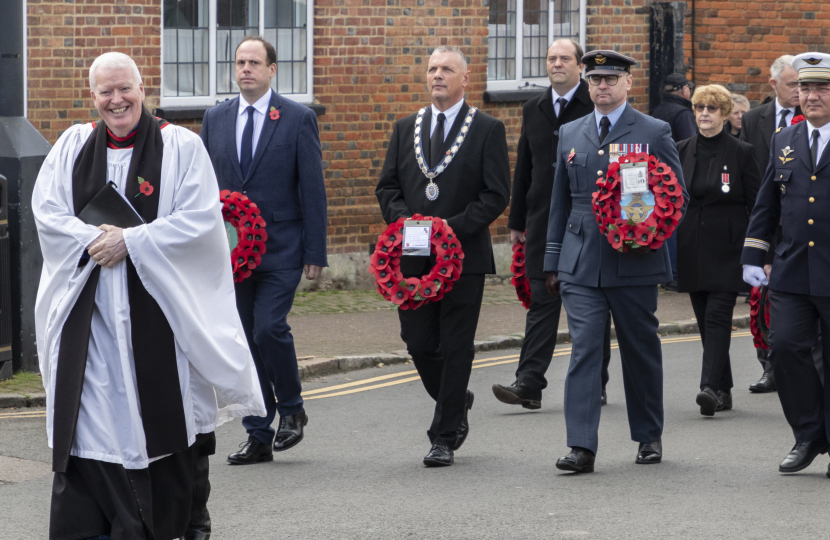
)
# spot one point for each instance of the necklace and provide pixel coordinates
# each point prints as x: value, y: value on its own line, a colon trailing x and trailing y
x: 432, y: 187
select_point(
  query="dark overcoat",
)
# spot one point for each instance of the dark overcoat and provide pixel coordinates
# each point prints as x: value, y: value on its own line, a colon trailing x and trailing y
x: 711, y: 235
x: 473, y: 190
x: 535, y: 167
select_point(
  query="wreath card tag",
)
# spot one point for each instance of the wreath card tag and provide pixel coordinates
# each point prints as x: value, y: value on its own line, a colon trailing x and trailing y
x: 634, y: 178
x: 417, y: 238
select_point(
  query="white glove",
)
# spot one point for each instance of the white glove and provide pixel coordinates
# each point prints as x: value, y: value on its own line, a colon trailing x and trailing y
x: 754, y: 275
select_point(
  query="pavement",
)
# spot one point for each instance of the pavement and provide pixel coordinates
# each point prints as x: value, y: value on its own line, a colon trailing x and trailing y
x: 358, y: 473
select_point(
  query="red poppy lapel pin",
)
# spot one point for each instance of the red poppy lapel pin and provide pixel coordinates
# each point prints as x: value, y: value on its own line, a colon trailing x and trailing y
x: 144, y: 187
x: 274, y: 114
x: 571, y: 155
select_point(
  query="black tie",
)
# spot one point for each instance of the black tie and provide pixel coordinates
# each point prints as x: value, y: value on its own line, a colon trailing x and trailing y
x: 247, y: 151
x: 562, y: 102
x: 604, y: 125
x: 437, y: 141
x: 814, y: 149
x: 783, y: 122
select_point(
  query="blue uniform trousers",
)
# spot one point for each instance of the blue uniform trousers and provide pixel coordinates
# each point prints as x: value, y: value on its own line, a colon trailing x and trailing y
x: 632, y: 308
x: 263, y: 301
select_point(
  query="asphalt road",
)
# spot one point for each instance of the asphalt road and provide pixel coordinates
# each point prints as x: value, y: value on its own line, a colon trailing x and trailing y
x: 358, y: 474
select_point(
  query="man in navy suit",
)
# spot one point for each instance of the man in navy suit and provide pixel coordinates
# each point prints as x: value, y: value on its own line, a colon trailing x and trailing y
x: 268, y: 148
x: 794, y: 193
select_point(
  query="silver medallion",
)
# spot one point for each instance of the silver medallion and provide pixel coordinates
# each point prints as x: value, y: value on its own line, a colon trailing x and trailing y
x: 432, y: 191
x: 725, y: 188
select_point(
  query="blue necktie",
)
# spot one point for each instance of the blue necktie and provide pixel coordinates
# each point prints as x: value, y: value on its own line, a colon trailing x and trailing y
x: 247, y: 152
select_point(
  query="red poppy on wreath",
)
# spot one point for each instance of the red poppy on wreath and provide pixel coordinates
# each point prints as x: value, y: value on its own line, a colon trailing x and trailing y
x: 754, y: 318
x: 646, y: 223
x: 519, y: 279
x: 412, y: 293
x: 797, y: 119
x: 244, y: 216
x: 274, y: 114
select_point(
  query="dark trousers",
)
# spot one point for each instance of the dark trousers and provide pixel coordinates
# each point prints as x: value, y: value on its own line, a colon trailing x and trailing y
x: 713, y: 311
x: 805, y: 400
x: 671, y: 243
x: 640, y: 351
x: 439, y: 337
x: 541, y: 327
x: 263, y: 301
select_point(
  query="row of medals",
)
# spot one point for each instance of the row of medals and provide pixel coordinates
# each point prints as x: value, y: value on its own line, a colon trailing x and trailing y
x: 432, y: 187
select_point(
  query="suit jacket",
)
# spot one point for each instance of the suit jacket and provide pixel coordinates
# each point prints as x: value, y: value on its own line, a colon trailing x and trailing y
x: 575, y: 247
x: 677, y: 112
x: 711, y: 236
x: 285, y: 179
x: 757, y: 127
x: 474, y: 188
x: 797, y: 195
x: 535, y: 167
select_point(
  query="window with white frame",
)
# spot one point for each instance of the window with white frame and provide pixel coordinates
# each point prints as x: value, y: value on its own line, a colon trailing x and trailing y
x: 199, y: 42
x: 519, y: 34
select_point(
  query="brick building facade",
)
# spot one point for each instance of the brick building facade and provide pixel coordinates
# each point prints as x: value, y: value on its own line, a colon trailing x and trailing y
x: 369, y: 69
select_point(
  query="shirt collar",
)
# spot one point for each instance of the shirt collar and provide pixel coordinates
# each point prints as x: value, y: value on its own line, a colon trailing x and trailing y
x: 823, y: 132
x: 779, y: 108
x: 450, y: 113
x: 568, y: 96
x: 261, y: 104
x: 613, y: 116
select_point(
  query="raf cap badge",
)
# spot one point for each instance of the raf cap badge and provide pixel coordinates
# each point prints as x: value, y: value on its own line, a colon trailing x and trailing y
x: 786, y: 151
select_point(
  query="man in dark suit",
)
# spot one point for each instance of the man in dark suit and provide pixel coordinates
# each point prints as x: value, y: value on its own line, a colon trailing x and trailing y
x: 435, y: 167
x: 758, y: 125
x: 567, y: 100
x: 594, y: 277
x: 794, y: 192
x: 268, y: 148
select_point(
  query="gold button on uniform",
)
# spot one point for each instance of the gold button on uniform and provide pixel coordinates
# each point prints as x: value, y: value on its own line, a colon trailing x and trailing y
x: 601, y: 152
x: 811, y: 244
x: 812, y: 177
x: 812, y: 199
x: 810, y: 221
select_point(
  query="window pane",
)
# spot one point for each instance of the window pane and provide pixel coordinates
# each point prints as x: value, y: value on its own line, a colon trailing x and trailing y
x: 565, y: 19
x: 535, y: 31
x: 502, y: 32
x: 285, y: 28
x: 185, y: 45
x: 235, y: 19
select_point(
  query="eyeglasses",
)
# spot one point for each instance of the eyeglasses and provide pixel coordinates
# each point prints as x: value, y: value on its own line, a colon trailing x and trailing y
x: 819, y: 89
x: 700, y: 107
x: 610, y: 80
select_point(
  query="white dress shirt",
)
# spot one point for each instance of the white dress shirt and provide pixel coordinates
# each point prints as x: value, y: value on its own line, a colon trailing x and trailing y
x: 261, y: 107
x: 778, y: 109
x: 449, y: 115
x: 823, y: 138
x: 568, y: 97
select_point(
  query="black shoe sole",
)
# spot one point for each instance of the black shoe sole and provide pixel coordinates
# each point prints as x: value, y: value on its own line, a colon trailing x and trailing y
x: 505, y: 396
x: 269, y: 457
x: 573, y: 468
x: 708, y: 404
x: 807, y: 463
x: 756, y: 390
x: 437, y: 463
x: 649, y: 462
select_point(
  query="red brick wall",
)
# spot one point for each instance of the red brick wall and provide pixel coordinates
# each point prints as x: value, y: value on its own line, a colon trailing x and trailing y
x: 64, y: 39
x: 736, y: 42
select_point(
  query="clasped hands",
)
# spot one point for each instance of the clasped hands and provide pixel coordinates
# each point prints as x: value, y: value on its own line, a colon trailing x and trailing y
x: 109, y: 248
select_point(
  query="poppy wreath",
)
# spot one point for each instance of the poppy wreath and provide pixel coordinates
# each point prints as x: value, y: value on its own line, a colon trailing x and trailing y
x: 797, y: 119
x: 519, y: 280
x: 412, y: 293
x: 759, y: 307
x: 243, y: 214
x: 659, y: 226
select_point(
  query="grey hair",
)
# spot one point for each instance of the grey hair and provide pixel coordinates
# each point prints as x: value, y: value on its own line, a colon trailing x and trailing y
x: 113, y: 60
x: 779, y: 65
x: 454, y: 50
x: 738, y: 99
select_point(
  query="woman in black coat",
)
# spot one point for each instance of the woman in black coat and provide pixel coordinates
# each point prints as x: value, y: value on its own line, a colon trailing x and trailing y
x: 723, y: 179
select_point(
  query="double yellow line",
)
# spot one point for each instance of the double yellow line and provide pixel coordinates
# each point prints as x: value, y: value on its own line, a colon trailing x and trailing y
x: 403, y: 377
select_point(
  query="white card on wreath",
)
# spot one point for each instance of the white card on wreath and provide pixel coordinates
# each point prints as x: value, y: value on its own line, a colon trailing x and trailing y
x: 416, y: 238
x: 634, y: 178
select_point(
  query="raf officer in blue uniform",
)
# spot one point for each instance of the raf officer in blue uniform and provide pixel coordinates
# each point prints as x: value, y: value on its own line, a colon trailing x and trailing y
x: 267, y: 147
x: 796, y: 191
x: 593, y: 277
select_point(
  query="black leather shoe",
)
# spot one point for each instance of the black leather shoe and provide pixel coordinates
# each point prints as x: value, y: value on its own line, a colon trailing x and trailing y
x: 517, y: 394
x: 604, y: 397
x: 290, y: 432
x: 708, y: 401
x: 725, y: 401
x: 439, y: 455
x: 670, y: 286
x: 802, y: 455
x: 650, y: 453
x: 199, y: 527
x: 579, y: 460
x: 464, y: 428
x: 251, y: 451
x: 764, y: 385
